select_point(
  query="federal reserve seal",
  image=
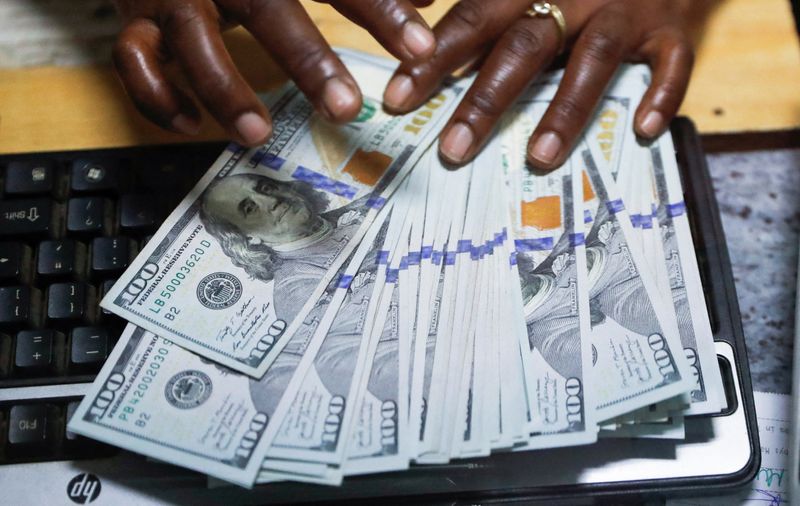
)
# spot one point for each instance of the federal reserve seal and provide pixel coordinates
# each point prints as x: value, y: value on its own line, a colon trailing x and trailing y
x: 188, y: 389
x: 219, y: 290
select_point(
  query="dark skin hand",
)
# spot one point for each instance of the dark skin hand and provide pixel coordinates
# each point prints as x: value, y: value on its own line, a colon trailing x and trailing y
x: 159, y: 32
x: 514, y: 49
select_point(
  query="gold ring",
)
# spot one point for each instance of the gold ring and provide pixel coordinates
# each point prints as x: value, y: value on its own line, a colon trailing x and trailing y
x: 548, y: 10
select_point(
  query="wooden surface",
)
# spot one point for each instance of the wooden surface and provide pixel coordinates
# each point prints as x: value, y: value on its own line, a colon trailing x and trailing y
x: 746, y: 78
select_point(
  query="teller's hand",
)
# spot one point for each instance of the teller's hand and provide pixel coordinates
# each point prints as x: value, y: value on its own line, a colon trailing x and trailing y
x: 188, y: 31
x: 515, y: 48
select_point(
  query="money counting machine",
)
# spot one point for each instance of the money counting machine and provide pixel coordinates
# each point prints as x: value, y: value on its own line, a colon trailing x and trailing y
x: 720, y: 451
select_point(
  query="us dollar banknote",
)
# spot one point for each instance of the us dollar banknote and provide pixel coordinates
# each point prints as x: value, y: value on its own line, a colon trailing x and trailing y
x: 236, y: 267
x: 684, y: 279
x: 156, y: 398
x: 638, y: 358
x: 233, y: 390
x: 317, y: 412
x: 377, y: 439
x: 547, y: 226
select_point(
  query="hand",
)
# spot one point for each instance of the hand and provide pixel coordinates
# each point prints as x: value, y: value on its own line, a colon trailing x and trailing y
x: 601, y: 33
x: 188, y: 31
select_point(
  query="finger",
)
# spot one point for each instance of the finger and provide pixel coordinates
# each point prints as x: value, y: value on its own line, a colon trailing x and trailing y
x: 521, y: 53
x: 395, y: 24
x: 671, y: 56
x: 597, y: 54
x: 136, y: 58
x: 461, y: 36
x: 191, y: 30
x: 422, y: 3
x: 299, y: 48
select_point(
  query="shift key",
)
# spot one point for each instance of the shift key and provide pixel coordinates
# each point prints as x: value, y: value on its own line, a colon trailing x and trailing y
x: 26, y: 217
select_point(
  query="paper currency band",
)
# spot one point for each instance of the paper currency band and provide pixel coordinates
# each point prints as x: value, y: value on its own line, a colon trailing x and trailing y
x: 274, y: 162
x: 528, y: 245
x: 376, y: 202
x: 615, y: 206
x: 344, y: 281
x: 677, y: 209
x: 577, y: 239
x: 548, y: 10
x: 323, y: 182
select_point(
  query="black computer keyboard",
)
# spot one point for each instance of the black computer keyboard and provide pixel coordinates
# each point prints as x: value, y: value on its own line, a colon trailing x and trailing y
x: 70, y: 223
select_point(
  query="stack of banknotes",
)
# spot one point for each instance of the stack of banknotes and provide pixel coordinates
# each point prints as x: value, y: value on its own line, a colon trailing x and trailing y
x: 337, y: 302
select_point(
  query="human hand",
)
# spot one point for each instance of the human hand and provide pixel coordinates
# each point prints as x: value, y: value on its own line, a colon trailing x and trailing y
x: 601, y: 34
x: 157, y: 32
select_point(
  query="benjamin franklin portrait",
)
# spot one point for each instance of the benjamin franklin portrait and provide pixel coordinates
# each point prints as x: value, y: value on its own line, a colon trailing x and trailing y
x: 279, y: 231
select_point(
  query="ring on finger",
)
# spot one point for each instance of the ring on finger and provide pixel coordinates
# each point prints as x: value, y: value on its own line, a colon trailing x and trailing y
x: 549, y: 10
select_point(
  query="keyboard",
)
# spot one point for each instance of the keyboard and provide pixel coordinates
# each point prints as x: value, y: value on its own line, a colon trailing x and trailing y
x: 70, y: 223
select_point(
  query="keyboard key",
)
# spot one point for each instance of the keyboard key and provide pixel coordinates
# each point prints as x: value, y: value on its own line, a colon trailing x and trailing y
x: 105, y: 287
x: 70, y: 437
x: 110, y: 256
x: 15, y: 261
x: 68, y: 303
x: 35, y: 351
x: 60, y: 259
x: 27, y: 217
x: 96, y: 175
x: 89, y: 215
x: 30, y: 177
x: 28, y: 428
x: 5, y: 360
x: 88, y: 349
x: 138, y: 214
x: 19, y: 307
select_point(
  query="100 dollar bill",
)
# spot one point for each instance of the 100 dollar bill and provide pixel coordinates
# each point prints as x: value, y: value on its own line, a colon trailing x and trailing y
x: 638, y: 355
x: 158, y: 399
x: 236, y: 267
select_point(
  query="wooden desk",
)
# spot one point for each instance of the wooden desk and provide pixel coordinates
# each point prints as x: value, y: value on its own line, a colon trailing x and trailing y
x: 747, y: 75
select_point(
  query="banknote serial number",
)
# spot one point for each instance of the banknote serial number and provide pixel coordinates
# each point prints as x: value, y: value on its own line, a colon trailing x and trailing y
x: 160, y: 300
x: 139, y: 391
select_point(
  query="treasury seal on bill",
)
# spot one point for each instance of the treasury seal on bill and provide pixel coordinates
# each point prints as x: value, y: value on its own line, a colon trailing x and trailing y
x: 188, y: 389
x: 219, y: 290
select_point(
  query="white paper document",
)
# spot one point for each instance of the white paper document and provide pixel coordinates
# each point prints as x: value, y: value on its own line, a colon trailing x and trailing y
x: 771, y: 485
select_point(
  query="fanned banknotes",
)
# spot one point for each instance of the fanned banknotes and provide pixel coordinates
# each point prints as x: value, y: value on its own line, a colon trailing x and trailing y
x: 337, y: 302
x: 242, y: 260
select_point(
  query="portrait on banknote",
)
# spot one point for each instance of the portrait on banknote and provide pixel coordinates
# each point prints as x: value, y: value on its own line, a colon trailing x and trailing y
x: 278, y: 230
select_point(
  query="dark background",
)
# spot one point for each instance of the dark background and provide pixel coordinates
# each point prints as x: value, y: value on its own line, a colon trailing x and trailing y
x: 796, y: 9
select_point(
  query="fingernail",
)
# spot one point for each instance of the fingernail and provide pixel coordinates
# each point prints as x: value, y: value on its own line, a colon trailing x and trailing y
x: 252, y: 128
x: 418, y: 39
x: 185, y: 125
x: 339, y: 99
x: 457, y: 142
x: 398, y: 91
x: 652, y: 123
x: 546, y: 148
